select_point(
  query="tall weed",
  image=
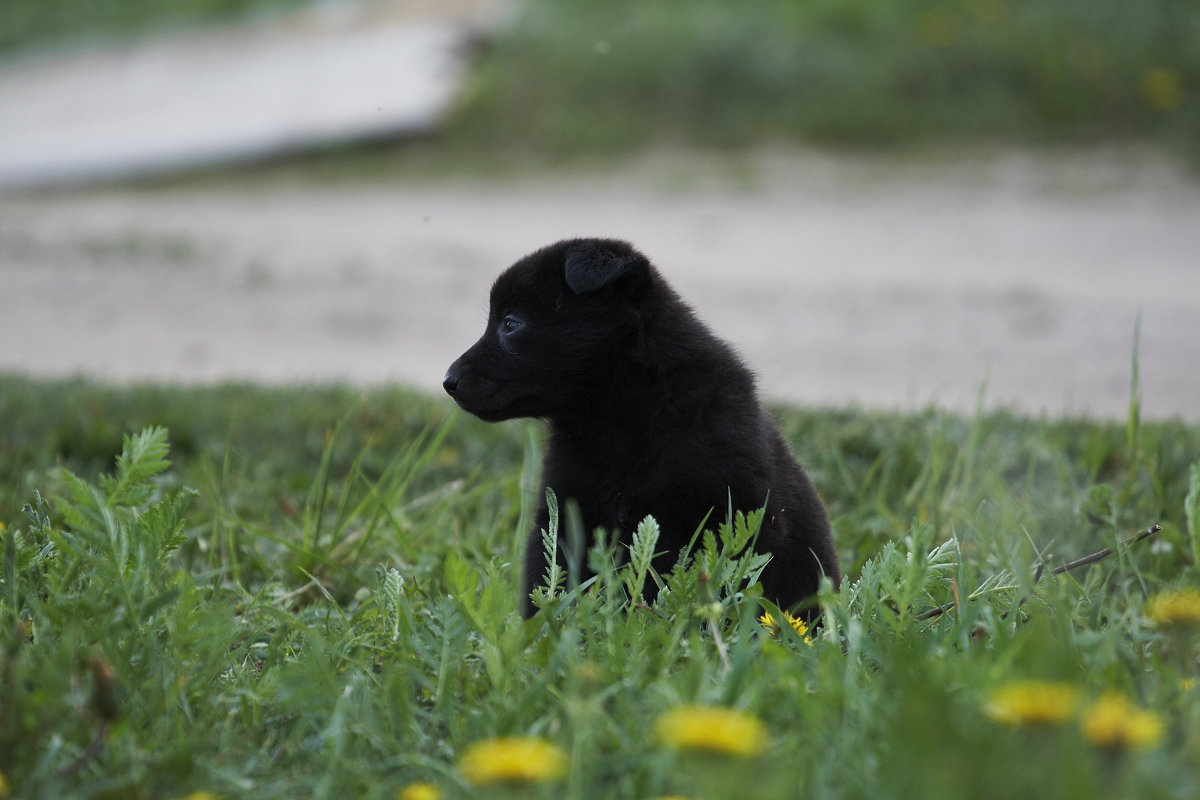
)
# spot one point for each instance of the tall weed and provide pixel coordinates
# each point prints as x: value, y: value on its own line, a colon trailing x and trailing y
x: 355, y: 633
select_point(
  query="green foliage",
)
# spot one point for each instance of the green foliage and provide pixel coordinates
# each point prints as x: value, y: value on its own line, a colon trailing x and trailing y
x: 641, y: 553
x: 580, y: 78
x: 1192, y: 510
x: 554, y: 571
x: 586, y: 76
x: 30, y: 21
x: 332, y: 610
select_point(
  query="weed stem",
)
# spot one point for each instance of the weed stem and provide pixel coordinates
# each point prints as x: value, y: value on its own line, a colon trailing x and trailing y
x: 1100, y: 555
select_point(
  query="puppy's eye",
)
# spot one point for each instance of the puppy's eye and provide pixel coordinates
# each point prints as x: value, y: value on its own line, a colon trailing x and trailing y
x: 510, y: 324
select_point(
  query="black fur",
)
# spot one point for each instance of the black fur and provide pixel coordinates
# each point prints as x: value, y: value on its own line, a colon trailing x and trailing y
x: 649, y: 412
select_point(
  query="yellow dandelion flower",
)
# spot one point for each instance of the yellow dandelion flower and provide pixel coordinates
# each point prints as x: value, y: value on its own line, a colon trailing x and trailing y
x: 512, y: 759
x: 419, y: 790
x: 1178, y: 607
x: 1112, y: 721
x: 1032, y: 703
x: 1162, y: 89
x: 202, y: 796
x: 798, y: 625
x: 714, y: 729
x: 4, y: 790
x: 1187, y: 684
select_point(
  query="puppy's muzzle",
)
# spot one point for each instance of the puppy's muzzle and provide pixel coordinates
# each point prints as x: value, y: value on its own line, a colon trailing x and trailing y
x: 450, y: 382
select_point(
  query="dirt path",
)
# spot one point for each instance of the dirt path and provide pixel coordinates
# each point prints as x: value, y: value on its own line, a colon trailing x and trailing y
x: 841, y: 281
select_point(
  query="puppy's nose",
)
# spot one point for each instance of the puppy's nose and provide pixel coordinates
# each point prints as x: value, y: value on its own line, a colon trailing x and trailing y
x: 450, y: 382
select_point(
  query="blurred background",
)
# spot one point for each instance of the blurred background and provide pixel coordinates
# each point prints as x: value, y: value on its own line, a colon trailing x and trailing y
x: 886, y: 205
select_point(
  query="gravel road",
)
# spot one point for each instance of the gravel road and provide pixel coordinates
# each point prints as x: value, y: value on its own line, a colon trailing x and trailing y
x: 842, y: 281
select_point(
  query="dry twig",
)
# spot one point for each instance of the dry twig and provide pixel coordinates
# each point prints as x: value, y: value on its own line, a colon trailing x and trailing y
x: 1100, y: 555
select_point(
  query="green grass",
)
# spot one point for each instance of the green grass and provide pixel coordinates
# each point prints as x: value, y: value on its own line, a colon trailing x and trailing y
x: 317, y: 598
x: 28, y: 23
x: 582, y: 75
x: 573, y: 80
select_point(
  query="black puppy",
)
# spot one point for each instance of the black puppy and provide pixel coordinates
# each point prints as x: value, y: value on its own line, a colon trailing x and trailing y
x: 649, y: 412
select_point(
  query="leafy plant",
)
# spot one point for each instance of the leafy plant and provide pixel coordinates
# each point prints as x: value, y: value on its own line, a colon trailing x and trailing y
x: 332, y: 611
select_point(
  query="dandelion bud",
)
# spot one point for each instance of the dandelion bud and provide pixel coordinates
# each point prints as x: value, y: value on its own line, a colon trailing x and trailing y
x: 104, y: 690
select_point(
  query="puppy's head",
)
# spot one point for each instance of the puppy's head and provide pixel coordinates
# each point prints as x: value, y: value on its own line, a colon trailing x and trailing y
x: 559, y: 321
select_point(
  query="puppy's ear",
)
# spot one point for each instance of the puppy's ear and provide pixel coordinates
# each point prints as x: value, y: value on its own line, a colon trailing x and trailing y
x: 590, y: 266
